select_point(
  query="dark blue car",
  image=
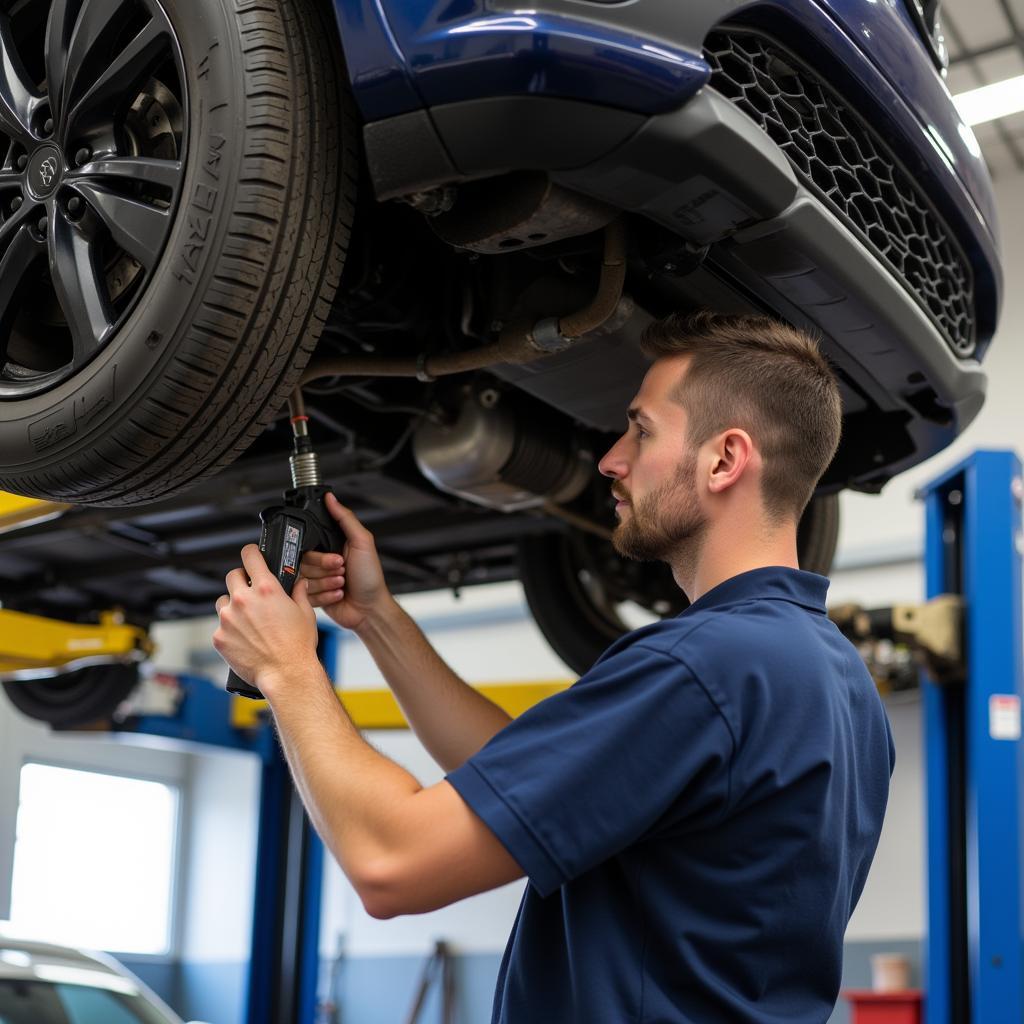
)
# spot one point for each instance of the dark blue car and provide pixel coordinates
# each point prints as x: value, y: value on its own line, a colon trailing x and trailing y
x: 450, y: 220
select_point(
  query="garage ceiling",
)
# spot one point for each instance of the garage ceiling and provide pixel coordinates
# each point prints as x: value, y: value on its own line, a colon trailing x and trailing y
x: 985, y: 39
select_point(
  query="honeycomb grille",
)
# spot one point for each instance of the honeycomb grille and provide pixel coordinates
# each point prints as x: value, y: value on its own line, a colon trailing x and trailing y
x: 852, y: 169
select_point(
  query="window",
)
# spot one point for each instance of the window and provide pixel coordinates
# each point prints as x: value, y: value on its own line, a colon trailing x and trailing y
x: 93, y: 859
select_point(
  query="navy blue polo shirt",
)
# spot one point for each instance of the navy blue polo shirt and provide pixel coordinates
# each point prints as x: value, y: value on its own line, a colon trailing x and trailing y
x: 696, y: 817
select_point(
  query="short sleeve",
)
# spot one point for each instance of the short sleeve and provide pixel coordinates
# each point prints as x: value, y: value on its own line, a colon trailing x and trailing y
x: 635, y: 747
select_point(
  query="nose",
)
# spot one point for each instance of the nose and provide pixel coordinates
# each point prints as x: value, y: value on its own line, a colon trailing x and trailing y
x: 613, y: 464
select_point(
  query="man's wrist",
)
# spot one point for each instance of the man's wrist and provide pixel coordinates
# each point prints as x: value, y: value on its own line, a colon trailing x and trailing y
x: 272, y: 679
x: 377, y: 618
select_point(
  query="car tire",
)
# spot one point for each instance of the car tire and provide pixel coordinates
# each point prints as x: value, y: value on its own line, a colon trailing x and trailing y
x: 74, y: 699
x: 577, y: 611
x: 223, y: 321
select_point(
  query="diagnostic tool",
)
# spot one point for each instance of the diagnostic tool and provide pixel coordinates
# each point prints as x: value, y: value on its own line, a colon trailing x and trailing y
x: 300, y: 524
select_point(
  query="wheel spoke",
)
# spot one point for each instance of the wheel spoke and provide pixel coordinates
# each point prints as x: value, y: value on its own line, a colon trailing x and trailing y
x: 137, y: 227
x: 81, y: 293
x: 166, y: 173
x: 17, y: 95
x: 125, y: 74
x: 59, y: 25
x: 19, y: 248
x: 97, y: 21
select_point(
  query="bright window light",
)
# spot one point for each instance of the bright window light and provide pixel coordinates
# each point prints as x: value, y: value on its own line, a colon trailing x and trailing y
x: 93, y: 860
x: 977, y: 106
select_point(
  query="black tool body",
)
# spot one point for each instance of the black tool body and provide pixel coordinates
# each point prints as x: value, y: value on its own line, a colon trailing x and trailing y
x: 288, y: 531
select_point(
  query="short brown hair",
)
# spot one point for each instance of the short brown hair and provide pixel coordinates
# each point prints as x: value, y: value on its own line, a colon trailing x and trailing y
x: 766, y: 377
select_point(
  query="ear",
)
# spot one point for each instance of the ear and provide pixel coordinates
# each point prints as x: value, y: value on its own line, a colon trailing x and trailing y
x: 732, y: 455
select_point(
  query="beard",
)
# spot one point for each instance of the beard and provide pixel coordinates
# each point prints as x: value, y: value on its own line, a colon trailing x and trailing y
x: 667, y: 525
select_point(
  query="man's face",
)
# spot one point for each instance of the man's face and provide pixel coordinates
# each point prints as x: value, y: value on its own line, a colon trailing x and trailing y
x: 654, y: 470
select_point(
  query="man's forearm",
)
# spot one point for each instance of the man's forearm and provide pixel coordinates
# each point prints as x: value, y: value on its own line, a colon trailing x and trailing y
x: 405, y: 848
x: 451, y: 719
x: 348, y: 788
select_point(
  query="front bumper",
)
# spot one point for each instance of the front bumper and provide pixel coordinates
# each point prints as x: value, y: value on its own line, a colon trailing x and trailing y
x: 646, y: 56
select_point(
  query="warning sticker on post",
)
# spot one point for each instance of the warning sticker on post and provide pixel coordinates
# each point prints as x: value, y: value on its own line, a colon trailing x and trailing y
x: 1004, y: 716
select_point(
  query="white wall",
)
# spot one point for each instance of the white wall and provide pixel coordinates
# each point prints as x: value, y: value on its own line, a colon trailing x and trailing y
x: 220, y: 857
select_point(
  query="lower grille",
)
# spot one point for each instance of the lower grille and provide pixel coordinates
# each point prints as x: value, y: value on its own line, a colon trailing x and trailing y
x: 847, y: 164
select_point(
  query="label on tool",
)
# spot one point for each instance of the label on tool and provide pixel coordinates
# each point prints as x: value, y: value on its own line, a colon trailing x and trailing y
x: 1004, y: 716
x: 290, y: 553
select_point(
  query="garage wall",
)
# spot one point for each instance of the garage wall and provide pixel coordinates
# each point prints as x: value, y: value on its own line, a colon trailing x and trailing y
x: 217, y: 886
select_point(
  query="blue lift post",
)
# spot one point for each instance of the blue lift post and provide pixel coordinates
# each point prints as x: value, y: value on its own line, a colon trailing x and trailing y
x: 284, y: 958
x: 973, y: 758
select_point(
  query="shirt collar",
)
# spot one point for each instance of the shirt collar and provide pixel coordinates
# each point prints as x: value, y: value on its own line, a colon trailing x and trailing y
x: 773, y: 582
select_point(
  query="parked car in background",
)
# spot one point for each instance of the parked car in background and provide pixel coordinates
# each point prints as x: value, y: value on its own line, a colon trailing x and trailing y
x: 451, y: 223
x: 45, y: 984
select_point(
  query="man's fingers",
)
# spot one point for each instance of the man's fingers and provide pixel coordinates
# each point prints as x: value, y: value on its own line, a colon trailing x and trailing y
x: 318, y: 586
x: 222, y: 602
x: 325, y: 598
x: 316, y: 565
x: 237, y: 582
x: 255, y: 564
x: 346, y: 518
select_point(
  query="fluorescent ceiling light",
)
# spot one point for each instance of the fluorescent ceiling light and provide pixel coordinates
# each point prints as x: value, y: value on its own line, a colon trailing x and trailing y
x: 991, y: 101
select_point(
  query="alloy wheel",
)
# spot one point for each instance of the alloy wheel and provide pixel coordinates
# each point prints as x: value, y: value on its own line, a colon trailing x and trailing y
x: 92, y: 130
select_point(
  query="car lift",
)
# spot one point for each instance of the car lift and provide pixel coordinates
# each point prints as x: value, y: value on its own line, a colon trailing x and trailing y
x: 970, y: 641
x: 31, y: 643
x: 968, y: 637
x: 975, y: 782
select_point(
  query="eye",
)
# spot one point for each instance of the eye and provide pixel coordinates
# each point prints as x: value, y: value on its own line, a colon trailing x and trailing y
x: 640, y: 432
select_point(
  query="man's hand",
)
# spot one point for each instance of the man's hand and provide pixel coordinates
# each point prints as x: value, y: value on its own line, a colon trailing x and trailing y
x: 264, y: 634
x: 350, y: 586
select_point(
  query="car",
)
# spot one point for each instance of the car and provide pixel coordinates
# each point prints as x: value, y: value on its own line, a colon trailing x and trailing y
x: 449, y: 224
x: 42, y: 983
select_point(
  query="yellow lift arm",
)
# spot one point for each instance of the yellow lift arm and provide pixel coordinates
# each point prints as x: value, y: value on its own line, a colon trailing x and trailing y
x: 17, y: 511
x: 29, y: 642
x: 378, y: 709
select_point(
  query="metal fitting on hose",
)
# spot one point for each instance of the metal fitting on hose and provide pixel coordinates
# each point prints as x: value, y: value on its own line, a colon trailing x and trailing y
x: 305, y: 465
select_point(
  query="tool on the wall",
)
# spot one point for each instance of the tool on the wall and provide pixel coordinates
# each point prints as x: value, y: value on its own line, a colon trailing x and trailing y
x: 302, y: 523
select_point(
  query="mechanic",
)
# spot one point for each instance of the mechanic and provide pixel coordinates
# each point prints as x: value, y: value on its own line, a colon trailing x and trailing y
x: 697, y: 814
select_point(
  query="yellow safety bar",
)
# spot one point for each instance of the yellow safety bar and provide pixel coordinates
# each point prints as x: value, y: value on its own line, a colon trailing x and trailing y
x: 16, y: 511
x: 34, y: 642
x: 378, y: 709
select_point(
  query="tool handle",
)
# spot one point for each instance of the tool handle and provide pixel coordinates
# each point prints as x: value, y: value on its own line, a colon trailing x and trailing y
x: 288, y: 531
x: 281, y: 541
x: 236, y: 684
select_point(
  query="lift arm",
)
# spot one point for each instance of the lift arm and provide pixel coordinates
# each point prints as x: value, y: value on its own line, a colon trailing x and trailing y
x: 16, y: 511
x: 933, y: 630
x: 30, y: 642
